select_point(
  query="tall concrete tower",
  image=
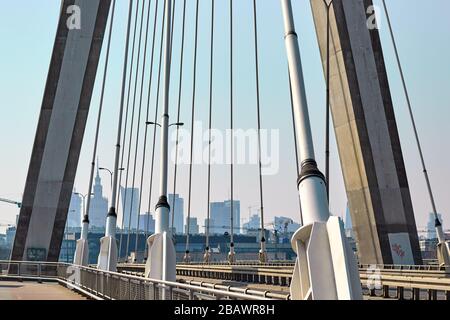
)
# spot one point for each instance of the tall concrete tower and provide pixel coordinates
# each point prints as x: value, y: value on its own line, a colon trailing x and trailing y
x: 99, y: 205
x: 60, y: 131
x: 366, y: 131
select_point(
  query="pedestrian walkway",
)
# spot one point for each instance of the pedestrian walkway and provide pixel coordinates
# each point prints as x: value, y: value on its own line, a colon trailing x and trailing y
x: 14, y: 290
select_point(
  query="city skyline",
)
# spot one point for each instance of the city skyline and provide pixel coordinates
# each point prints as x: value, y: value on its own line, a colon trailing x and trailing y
x: 244, y: 150
x: 432, y: 95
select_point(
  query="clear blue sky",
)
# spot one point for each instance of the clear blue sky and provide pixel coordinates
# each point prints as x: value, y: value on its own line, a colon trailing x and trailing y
x: 27, y: 30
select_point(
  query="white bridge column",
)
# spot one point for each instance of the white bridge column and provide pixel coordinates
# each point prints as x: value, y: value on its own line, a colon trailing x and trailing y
x: 325, y: 268
x: 161, y: 261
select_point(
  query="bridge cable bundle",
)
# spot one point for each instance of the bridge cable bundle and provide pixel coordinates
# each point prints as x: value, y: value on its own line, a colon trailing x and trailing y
x: 107, y: 259
x: 161, y: 260
x: 152, y: 165
x: 144, y: 147
x: 231, y: 254
x: 180, y: 87
x: 147, y: 119
x: 136, y: 83
x: 127, y: 169
x: 81, y: 256
x: 138, y: 129
x: 262, y: 251
x: 194, y: 84
x: 443, y: 246
x: 207, y: 254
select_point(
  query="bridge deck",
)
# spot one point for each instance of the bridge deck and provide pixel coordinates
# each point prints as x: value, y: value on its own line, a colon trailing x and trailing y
x: 14, y: 290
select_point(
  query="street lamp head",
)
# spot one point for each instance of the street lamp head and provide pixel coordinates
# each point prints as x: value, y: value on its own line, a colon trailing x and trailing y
x: 151, y: 123
x: 83, y: 195
x: 178, y: 124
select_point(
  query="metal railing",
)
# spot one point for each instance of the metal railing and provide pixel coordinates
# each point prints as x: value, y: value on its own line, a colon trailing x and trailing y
x: 26, y: 269
x: 116, y: 286
x: 428, y: 267
x: 286, y: 263
x: 100, y: 284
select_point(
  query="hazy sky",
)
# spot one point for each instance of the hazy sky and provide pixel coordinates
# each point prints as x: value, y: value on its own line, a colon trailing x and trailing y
x: 27, y: 31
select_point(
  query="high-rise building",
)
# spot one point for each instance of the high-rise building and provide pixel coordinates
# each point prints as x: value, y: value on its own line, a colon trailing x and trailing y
x: 177, y: 203
x: 431, y: 225
x: 146, y: 220
x: 348, y: 224
x: 74, y: 216
x: 221, y: 217
x: 253, y: 224
x: 348, y: 219
x: 99, y: 205
x: 10, y: 234
x: 130, y: 205
x: 193, y: 226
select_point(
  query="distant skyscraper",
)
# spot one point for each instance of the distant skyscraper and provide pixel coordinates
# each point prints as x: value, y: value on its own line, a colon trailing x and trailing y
x: 253, y: 224
x: 348, y: 224
x: 75, y: 212
x: 236, y: 214
x: 178, y: 213
x: 193, y: 226
x: 147, y: 221
x: 128, y: 195
x: 99, y: 205
x: 348, y: 219
x: 431, y: 225
x: 10, y: 234
x: 220, y: 217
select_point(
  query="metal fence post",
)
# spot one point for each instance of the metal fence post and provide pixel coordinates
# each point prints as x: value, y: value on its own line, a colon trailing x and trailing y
x: 170, y: 293
x: 400, y: 295
x: 129, y: 289
x: 39, y: 273
x: 155, y: 290
x: 96, y: 281
x: 416, y: 294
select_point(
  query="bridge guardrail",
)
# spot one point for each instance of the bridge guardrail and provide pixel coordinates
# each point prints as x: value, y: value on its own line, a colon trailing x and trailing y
x: 116, y: 286
x: 434, y: 281
x: 120, y: 286
x: 404, y: 267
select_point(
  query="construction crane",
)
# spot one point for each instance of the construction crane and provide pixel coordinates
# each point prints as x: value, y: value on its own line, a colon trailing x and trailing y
x: 18, y: 204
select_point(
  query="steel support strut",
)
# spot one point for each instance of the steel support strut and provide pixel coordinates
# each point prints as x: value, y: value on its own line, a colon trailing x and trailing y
x: 325, y: 268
